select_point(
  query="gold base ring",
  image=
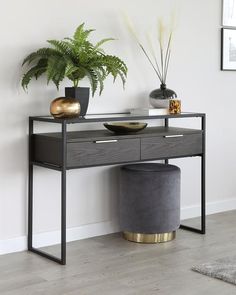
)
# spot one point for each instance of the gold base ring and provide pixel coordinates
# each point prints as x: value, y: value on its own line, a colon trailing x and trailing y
x: 149, y: 238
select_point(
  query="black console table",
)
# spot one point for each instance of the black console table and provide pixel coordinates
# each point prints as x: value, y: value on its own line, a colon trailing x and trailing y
x: 66, y: 150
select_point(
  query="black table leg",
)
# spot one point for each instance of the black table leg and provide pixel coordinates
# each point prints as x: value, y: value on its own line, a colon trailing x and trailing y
x: 63, y: 195
x: 30, y: 187
x: 202, y: 230
x: 61, y: 260
x: 203, y: 178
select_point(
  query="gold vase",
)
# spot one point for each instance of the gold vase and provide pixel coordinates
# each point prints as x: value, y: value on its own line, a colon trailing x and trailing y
x: 65, y: 107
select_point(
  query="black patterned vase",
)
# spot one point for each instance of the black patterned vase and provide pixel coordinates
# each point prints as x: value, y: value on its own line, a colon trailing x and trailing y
x: 159, y: 98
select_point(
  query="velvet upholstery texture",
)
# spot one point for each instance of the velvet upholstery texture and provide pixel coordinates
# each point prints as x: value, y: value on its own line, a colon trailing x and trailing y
x: 149, y: 198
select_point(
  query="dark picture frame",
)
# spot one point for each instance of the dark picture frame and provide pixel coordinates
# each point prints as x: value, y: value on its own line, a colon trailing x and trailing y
x: 228, y: 49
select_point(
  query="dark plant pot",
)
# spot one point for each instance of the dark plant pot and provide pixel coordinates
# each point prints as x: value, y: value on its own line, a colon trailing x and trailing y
x: 80, y: 93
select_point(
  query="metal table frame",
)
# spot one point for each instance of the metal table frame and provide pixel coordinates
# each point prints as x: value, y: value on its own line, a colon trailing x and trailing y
x: 63, y: 169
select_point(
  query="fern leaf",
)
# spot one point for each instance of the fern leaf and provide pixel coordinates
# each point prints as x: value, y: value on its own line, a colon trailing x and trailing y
x: 122, y: 77
x: 41, y: 53
x: 62, y: 46
x: 86, y: 33
x: 101, y: 78
x: 93, y: 79
x: 56, y: 70
x: 34, y: 72
x: 102, y: 42
x: 42, y: 67
x: 80, y: 34
x: 69, y: 39
x: 116, y: 67
x: 70, y: 69
x: 103, y: 72
x: 118, y: 63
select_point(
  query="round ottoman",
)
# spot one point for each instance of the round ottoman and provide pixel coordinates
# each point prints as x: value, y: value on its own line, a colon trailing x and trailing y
x: 149, y: 204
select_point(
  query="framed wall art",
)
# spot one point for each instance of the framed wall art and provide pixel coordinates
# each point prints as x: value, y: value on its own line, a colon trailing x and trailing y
x: 228, y: 49
x: 229, y: 13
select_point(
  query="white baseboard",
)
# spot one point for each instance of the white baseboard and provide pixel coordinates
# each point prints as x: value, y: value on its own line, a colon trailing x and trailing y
x: 211, y: 208
x: 51, y: 238
x: 91, y: 230
x: 13, y: 245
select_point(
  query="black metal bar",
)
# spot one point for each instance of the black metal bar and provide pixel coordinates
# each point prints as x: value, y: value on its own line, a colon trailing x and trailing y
x: 192, y: 229
x: 166, y: 122
x: 30, y: 186
x: 63, y: 196
x: 115, y: 163
x: 48, y: 166
x: 166, y: 125
x: 46, y: 255
x: 45, y: 119
x: 63, y: 193
x: 203, y: 183
x: 203, y: 177
x: 111, y: 117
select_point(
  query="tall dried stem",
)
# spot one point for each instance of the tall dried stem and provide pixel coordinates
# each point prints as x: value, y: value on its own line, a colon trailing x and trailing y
x: 161, y: 67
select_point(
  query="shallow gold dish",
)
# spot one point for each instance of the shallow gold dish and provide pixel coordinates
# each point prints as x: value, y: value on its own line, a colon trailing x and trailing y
x: 125, y: 127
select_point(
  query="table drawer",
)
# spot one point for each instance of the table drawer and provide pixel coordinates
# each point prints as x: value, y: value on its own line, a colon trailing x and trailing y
x: 102, y: 152
x: 171, y: 146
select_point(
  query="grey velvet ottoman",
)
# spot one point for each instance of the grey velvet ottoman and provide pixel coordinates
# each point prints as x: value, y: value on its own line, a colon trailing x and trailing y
x: 149, y: 204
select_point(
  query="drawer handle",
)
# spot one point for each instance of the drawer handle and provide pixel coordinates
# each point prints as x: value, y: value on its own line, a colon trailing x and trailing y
x: 172, y: 136
x: 106, y: 141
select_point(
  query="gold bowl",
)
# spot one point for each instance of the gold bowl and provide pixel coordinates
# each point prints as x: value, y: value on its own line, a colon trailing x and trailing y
x: 125, y: 127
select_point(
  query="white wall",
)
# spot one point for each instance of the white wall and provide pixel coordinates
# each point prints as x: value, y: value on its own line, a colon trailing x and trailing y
x: 92, y: 193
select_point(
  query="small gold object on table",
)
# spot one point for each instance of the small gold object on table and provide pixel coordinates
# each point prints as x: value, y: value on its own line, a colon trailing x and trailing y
x: 65, y: 107
x: 175, y: 106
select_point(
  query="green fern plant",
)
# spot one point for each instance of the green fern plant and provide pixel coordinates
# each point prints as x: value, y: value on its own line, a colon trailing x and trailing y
x: 74, y: 58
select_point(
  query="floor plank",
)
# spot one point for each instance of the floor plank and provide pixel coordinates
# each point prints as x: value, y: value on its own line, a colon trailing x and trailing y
x: 110, y: 265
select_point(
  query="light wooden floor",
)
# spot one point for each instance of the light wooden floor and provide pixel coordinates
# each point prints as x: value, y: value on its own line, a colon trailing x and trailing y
x: 110, y: 265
